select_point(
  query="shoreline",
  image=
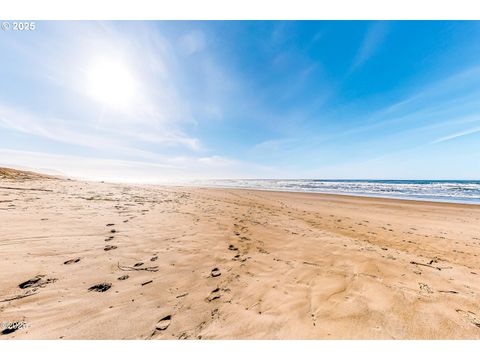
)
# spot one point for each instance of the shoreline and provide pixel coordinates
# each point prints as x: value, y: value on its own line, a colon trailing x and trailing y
x: 414, y: 200
x: 419, y: 198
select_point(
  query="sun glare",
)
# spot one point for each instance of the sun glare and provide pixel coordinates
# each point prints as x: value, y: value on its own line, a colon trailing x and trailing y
x: 111, y: 83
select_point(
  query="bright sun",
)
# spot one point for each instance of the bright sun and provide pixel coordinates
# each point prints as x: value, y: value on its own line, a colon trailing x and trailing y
x: 110, y: 82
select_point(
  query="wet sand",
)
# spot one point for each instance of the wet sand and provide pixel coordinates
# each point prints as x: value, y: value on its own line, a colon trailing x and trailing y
x: 84, y: 260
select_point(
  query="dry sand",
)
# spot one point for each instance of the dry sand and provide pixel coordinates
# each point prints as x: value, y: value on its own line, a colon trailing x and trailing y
x: 191, y: 263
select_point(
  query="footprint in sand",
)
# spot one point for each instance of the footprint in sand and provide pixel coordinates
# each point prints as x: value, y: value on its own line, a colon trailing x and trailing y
x: 425, y: 288
x: 238, y: 258
x: 183, y: 336
x: 138, y: 264
x: 110, y: 238
x: 32, y: 282
x: 8, y: 331
x: 214, y: 295
x: 470, y: 316
x: 100, y: 287
x: 37, y: 281
x: 110, y: 247
x: 164, y: 323
x: 154, y: 258
x: 71, y: 261
x: 233, y: 248
x: 215, y: 314
x: 123, y: 277
x: 109, y: 224
x: 215, y: 272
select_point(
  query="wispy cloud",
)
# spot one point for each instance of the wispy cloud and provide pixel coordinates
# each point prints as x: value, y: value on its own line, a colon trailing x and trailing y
x: 164, y: 168
x: 453, y: 99
x: 91, y: 135
x: 445, y: 86
x: 272, y: 145
x: 456, y: 135
x: 192, y: 42
x: 372, y: 40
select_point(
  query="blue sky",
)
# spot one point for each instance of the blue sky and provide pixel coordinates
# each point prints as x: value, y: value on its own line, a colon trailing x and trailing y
x: 323, y: 99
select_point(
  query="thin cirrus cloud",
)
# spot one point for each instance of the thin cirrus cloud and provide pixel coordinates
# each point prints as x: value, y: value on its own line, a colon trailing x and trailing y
x: 162, y: 169
x: 92, y: 136
x: 372, y: 41
x: 451, y: 100
x: 457, y: 135
x: 273, y: 144
x: 192, y: 42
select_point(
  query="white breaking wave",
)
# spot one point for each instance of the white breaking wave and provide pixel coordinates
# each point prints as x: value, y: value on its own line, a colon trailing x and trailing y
x: 451, y: 191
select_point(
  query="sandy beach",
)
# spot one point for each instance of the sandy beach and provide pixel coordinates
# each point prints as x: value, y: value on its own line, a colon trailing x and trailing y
x: 85, y: 260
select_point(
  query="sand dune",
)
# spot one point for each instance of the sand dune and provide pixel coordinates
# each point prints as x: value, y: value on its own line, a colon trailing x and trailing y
x: 21, y: 175
x: 110, y: 261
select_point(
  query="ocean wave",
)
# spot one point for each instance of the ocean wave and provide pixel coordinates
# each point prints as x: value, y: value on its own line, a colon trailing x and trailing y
x: 440, y: 190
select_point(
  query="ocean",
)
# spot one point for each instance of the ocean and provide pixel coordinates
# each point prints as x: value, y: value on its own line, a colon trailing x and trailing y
x: 458, y: 191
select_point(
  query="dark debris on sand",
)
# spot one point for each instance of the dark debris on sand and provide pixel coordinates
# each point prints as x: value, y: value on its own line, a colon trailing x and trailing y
x: 100, y: 287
